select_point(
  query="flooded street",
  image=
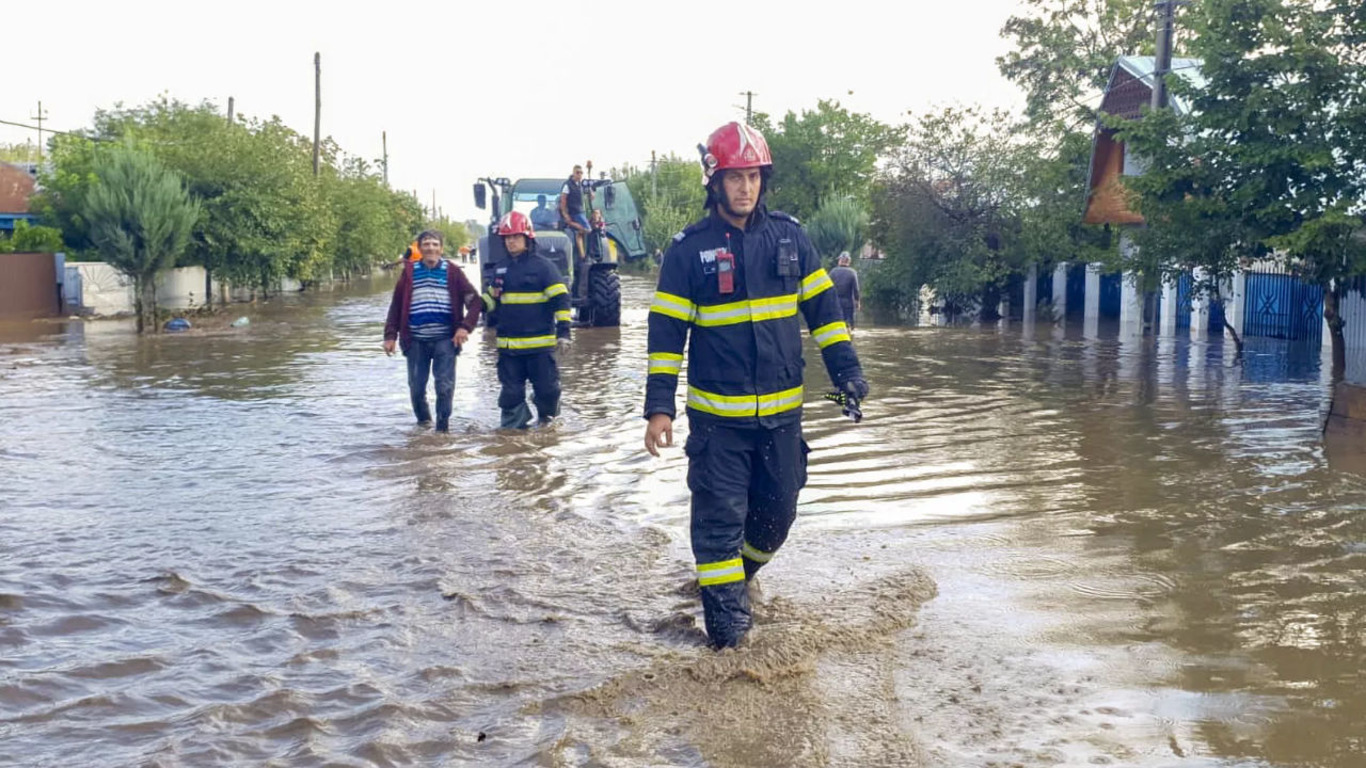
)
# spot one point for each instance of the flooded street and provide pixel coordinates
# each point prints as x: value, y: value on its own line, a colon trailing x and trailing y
x: 234, y: 547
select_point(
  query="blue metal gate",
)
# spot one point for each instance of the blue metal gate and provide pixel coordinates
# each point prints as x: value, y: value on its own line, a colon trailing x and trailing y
x: 1110, y: 294
x: 1282, y: 307
x: 1185, y: 286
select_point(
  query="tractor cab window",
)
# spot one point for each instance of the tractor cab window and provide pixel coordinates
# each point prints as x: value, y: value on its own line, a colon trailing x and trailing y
x: 542, y: 209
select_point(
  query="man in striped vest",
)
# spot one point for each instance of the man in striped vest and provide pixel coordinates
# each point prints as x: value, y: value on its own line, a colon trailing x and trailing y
x: 431, y: 314
x: 736, y: 282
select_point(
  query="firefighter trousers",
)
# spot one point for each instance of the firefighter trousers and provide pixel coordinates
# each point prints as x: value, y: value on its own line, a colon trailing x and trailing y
x: 744, y: 485
x: 514, y: 371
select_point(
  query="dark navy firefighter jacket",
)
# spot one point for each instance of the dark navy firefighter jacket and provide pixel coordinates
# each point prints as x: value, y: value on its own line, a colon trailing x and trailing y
x: 533, y: 308
x: 745, y: 358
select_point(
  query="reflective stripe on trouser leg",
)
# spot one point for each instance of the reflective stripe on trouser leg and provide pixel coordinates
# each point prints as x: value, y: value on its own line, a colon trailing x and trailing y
x: 711, y: 574
x: 719, y: 464
x: 779, y: 474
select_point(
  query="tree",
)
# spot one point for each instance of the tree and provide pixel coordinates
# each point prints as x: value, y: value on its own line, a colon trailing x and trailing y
x: 1267, y: 162
x: 140, y: 219
x: 950, y: 210
x: 263, y: 214
x: 823, y: 154
x: 1064, y: 53
x: 27, y: 238
x: 18, y: 153
x: 669, y: 198
x: 840, y: 225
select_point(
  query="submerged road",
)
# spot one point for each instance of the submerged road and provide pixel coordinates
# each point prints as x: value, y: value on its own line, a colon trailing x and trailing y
x: 233, y: 547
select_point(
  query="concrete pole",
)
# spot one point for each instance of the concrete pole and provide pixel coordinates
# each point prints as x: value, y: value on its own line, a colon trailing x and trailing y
x: 317, y: 110
x: 1060, y: 291
x: 1168, y: 320
x: 1028, y: 313
x: 1234, y: 303
x: 1130, y: 299
x: 1091, y: 313
x: 1092, y: 291
x: 1130, y: 306
x: 1199, y: 305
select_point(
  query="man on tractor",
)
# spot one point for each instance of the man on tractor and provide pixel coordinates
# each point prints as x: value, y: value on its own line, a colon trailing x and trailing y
x: 571, y: 207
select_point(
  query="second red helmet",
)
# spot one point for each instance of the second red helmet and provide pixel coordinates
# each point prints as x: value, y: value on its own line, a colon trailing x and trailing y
x: 734, y: 145
x: 515, y: 223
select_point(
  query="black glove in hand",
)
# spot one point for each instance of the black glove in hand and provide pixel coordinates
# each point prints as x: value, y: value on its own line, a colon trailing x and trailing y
x: 856, y: 388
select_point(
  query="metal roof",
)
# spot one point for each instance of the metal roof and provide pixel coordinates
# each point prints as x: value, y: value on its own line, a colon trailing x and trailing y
x: 1142, y: 67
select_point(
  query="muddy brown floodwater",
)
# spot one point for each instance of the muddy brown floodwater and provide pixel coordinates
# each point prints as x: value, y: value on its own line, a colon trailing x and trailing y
x: 232, y: 547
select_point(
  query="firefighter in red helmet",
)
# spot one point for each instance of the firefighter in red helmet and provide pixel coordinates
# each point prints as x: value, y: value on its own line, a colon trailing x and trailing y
x: 529, y: 304
x: 736, y: 282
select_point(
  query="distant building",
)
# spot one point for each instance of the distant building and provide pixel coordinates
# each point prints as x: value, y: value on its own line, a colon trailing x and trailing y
x: 1130, y: 90
x: 17, y: 184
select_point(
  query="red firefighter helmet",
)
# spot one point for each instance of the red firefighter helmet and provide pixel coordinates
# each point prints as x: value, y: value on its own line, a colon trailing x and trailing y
x: 515, y: 223
x: 734, y: 145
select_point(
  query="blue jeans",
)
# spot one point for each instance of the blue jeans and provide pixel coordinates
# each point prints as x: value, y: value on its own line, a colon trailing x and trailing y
x: 435, y: 357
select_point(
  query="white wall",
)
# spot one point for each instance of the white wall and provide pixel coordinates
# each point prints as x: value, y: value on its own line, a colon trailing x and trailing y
x: 95, y: 288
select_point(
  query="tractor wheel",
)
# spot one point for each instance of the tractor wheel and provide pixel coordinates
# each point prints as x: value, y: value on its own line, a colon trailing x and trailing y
x: 604, y: 294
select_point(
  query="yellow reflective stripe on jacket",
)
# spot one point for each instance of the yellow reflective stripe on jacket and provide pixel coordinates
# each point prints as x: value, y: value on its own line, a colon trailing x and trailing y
x: 755, y: 554
x: 773, y: 308
x: 490, y: 303
x: 723, y: 314
x: 554, y: 290
x: 666, y: 362
x: 562, y: 314
x: 723, y: 572
x: 786, y: 400
x: 744, y: 405
x: 814, y: 284
x: 755, y: 310
x: 523, y: 298
x: 830, y: 333
x: 525, y: 342
x: 673, y: 306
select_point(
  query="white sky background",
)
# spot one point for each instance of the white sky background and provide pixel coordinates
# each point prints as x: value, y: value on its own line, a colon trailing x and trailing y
x: 469, y: 89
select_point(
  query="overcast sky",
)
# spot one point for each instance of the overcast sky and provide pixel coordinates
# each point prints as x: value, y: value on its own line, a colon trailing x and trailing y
x: 469, y: 89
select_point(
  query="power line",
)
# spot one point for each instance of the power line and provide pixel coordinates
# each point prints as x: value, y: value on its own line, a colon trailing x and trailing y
x: 47, y: 130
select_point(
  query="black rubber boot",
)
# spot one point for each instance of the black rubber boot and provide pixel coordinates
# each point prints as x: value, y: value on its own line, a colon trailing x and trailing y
x: 726, y: 612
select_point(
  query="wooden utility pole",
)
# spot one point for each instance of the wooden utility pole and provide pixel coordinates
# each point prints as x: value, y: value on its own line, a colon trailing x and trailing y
x: 384, y: 142
x: 749, y: 107
x: 1163, y: 64
x: 231, y: 105
x: 317, y: 108
x: 40, y: 117
x: 654, y: 176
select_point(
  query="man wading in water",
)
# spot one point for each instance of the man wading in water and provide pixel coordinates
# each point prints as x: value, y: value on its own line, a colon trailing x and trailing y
x: 428, y: 319
x: 736, y: 281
